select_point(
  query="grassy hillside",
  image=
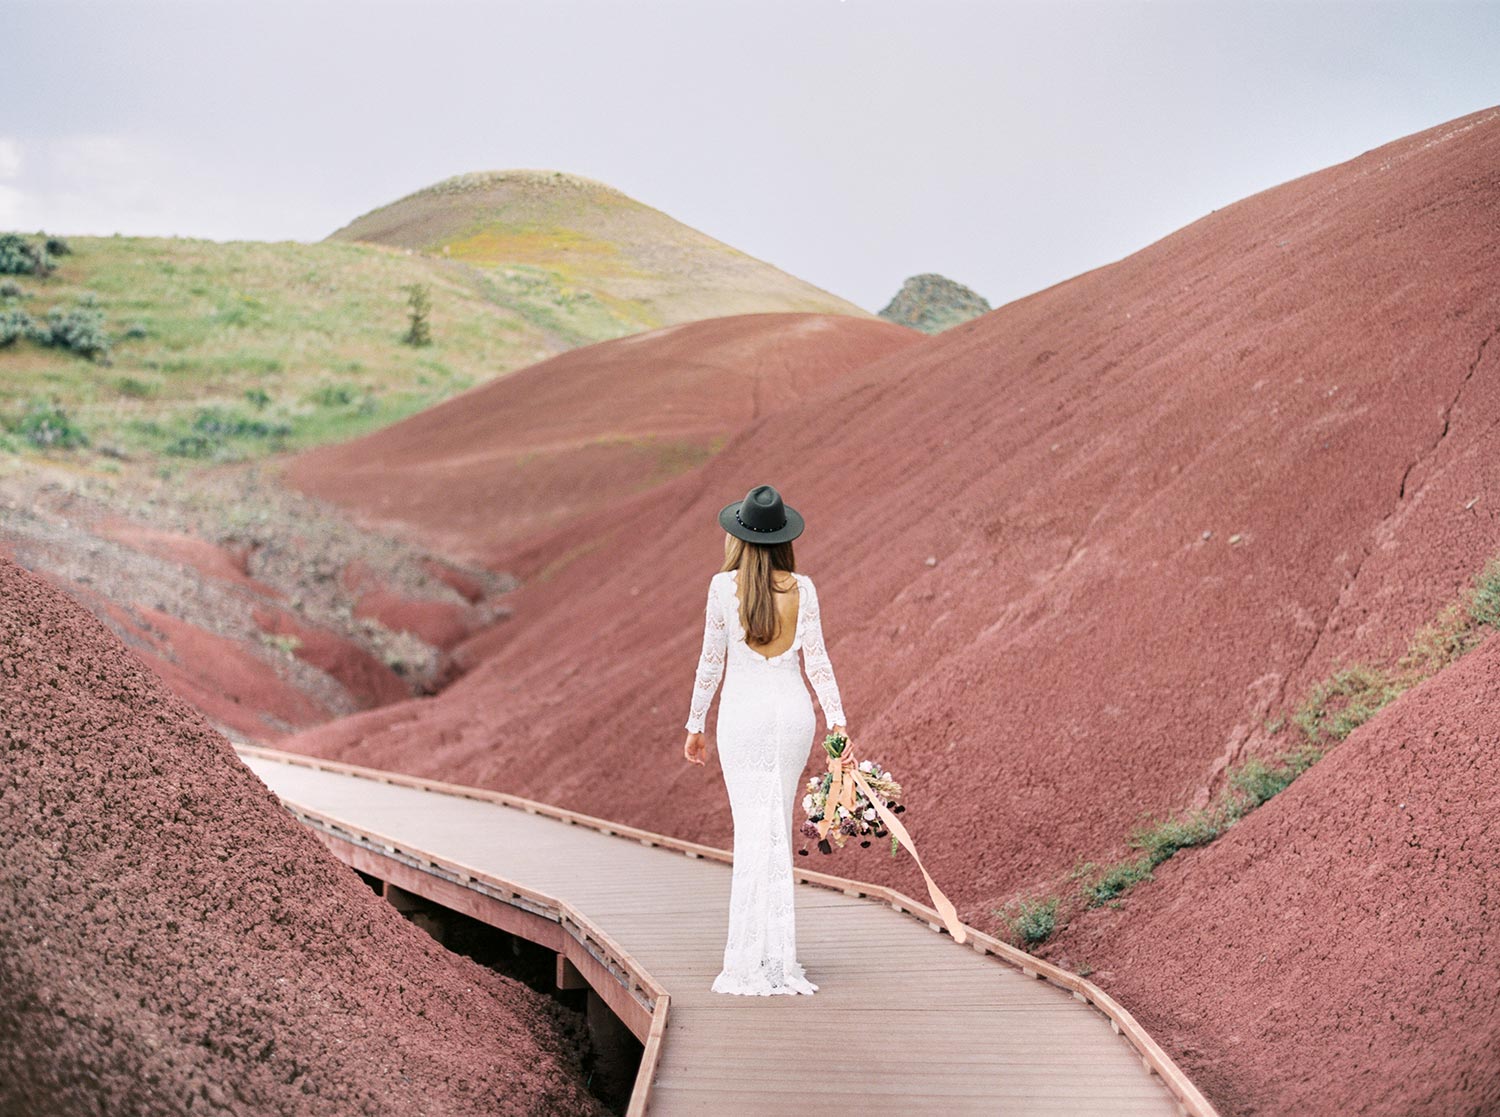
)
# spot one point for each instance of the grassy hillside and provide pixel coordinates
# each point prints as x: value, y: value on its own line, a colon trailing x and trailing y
x: 227, y: 350
x: 645, y: 268
x: 223, y: 350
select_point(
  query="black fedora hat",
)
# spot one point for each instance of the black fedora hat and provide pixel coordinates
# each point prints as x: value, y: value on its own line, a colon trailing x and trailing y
x: 761, y: 517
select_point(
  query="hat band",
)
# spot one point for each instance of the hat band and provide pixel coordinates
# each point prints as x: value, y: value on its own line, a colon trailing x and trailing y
x: 747, y: 527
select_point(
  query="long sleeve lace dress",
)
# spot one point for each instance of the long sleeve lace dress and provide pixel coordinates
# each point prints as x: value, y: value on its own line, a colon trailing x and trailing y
x: 765, y: 731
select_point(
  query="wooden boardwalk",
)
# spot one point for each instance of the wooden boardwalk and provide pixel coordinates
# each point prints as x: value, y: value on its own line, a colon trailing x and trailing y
x: 906, y: 1020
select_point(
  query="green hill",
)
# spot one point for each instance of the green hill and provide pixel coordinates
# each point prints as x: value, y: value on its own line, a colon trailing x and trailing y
x: 226, y: 350
x: 282, y: 345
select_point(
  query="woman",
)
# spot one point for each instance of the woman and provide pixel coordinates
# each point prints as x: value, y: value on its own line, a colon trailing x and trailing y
x: 760, y: 612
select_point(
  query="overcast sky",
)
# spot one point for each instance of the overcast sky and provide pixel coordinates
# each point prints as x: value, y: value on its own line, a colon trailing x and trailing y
x: 850, y: 142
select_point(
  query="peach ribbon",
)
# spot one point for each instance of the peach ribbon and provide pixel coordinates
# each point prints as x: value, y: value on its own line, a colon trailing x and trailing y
x: 841, y: 794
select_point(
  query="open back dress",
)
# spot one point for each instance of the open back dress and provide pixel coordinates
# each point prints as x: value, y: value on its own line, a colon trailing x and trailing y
x: 764, y: 732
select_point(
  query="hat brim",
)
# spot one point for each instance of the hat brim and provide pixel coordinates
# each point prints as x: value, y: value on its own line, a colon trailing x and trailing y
x: 792, y: 529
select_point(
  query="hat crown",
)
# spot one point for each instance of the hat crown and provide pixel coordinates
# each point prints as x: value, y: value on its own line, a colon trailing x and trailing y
x: 762, y: 517
x: 762, y: 510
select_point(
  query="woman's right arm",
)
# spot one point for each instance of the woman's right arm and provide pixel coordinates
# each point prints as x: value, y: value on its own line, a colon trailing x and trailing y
x: 710, y: 661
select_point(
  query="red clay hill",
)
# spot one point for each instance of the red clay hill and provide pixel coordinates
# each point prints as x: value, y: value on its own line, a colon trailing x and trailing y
x: 1076, y: 557
x: 504, y: 463
x: 171, y: 941
x: 1335, y: 951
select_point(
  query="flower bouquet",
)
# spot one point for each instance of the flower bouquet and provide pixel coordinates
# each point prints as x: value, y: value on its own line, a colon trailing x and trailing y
x: 853, y: 813
x: 863, y: 801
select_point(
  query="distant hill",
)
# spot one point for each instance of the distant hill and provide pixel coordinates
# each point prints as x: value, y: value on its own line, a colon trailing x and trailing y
x: 585, y: 240
x: 932, y: 303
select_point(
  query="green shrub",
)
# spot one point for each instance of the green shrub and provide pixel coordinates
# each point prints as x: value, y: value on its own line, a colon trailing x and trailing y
x: 15, y: 324
x: 136, y: 330
x: 79, y: 330
x: 1339, y: 705
x: 258, y: 397
x: 16, y: 256
x: 10, y: 289
x: 1160, y: 839
x: 137, y: 389
x: 1439, y: 643
x: 223, y: 423
x: 19, y: 256
x: 193, y: 446
x: 334, y: 395
x: 1117, y: 878
x: 1256, y: 781
x: 1032, y: 921
x: 58, y: 246
x: 214, y: 427
x: 1484, y: 605
x: 47, y: 425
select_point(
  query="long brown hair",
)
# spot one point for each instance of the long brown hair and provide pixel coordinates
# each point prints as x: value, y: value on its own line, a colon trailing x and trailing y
x: 757, y: 564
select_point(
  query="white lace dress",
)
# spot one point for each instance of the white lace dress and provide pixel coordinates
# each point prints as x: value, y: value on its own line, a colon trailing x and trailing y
x: 765, y: 731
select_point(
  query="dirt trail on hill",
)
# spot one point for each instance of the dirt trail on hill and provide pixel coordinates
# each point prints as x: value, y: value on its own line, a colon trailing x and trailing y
x: 171, y: 941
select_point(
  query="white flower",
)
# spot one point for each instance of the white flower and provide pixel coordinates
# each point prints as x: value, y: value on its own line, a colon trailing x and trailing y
x: 843, y: 812
x: 870, y: 815
x: 807, y: 803
x: 866, y: 766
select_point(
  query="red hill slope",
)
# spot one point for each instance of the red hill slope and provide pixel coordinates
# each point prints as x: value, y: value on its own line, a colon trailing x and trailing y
x: 1335, y: 951
x: 171, y: 941
x: 1161, y: 500
x: 507, y: 461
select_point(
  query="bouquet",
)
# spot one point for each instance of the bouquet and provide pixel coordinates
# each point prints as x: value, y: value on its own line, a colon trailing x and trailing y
x: 863, y: 801
x: 853, y: 813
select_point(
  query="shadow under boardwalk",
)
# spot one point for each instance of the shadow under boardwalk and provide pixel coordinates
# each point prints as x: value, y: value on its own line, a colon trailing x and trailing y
x: 905, y: 1021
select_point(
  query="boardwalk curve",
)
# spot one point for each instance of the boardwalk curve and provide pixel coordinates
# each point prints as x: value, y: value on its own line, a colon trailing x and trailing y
x: 906, y: 1019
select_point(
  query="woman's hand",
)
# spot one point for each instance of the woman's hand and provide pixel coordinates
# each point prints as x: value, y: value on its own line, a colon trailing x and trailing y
x: 846, y: 758
x: 695, y: 748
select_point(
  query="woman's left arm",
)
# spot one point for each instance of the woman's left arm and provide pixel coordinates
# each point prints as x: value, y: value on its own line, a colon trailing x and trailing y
x: 819, y: 669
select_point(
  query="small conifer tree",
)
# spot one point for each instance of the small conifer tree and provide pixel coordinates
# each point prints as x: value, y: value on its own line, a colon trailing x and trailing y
x: 418, y: 303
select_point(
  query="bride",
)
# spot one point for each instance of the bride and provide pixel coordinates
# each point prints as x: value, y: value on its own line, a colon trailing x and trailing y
x: 760, y: 612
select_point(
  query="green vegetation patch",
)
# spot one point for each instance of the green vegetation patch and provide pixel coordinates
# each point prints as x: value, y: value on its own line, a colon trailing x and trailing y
x: 1340, y: 704
x: 46, y: 425
x: 1031, y: 920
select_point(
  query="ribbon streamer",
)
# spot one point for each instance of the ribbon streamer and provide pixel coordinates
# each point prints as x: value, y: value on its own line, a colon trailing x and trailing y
x: 841, y: 793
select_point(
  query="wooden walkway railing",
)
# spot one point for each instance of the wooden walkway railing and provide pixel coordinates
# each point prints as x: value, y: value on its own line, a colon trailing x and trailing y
x: 906, y: 1020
